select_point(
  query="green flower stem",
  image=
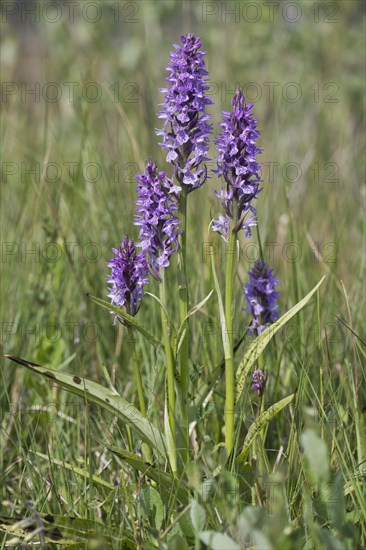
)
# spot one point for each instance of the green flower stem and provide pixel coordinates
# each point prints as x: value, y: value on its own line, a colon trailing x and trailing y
x: 140, y: 391
x: 229, y: 361
x: 183, y: 310
x: 146, y: 451
x: 169, y: 365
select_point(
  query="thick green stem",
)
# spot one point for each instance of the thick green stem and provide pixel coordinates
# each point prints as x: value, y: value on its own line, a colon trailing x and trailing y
x: 229, y: 361
x: 183, y: 310
x: 169, y: 368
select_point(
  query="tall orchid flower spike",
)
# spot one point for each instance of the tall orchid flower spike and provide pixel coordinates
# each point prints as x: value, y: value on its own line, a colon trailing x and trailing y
x: 129, y: 274
x: 236, y: 162
x: 156, y: 206
x: 185, y: 134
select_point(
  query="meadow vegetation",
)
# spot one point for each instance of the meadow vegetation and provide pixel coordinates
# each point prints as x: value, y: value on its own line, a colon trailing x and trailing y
x: 72, y: 472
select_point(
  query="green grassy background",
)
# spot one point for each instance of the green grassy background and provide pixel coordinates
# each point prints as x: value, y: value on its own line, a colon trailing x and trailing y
x: 46, y: 315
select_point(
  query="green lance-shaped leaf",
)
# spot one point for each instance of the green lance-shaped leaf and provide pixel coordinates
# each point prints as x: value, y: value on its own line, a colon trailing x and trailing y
x: 261, y: 422
x: 170, y: 323
x: 198, y: 516
x: 263, y: 339
x: 225, y: 338
x: 81, y: 472
x: 108, y: 400
x: 131, y: 320
x: 152, y: 507
x: 191, y: 312
x: 316, y: 453
x: 166, y: 484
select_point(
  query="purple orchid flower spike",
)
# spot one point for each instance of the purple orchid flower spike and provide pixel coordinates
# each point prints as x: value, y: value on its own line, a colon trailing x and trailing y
x: 156, y: 205
x: 129, y: 274
x: 261, y: 297
x: 237, y: 164
x: 259, y: 379
x: 185, y: 134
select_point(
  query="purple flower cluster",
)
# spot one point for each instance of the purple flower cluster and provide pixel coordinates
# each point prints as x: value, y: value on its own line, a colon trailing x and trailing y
x: 186, y: 129
x: 261, y: 297
x: 185, y: 136
x: 237, y: 163
x: 259, y: 381
x: 156, y: 203
x: 129, y: 274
